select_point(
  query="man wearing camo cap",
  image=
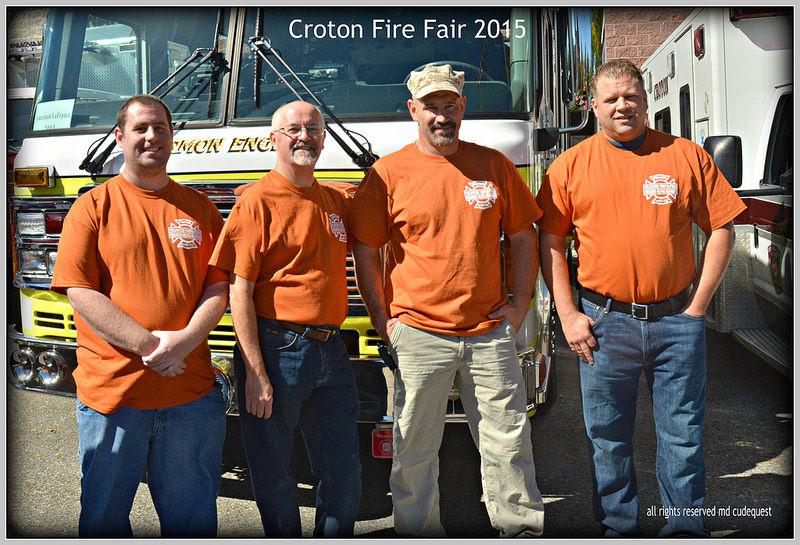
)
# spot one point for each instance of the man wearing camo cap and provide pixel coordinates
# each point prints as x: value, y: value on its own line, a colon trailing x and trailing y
x: 439, y: 205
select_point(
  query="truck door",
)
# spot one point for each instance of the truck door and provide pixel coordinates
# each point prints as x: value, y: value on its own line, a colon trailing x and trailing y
x: 684, y: 81
x: 772, y: 214
x: 685, y: 124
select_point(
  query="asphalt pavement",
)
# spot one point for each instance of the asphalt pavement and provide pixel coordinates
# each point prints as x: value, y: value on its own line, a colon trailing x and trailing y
x: 748, y: 437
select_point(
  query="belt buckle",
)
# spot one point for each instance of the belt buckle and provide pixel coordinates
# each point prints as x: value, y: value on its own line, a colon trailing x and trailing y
x: 635, y: 311
x: 317, y: 331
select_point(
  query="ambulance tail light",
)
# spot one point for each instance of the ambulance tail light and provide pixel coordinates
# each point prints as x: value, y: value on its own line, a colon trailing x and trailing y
x: 699, y: 42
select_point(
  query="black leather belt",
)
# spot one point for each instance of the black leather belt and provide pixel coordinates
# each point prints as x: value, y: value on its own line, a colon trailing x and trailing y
x: 648, y: 311
x: 308, y: 332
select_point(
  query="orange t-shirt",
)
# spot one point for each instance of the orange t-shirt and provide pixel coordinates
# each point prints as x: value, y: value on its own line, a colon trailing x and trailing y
x: 148, y: 252
x: 442, y: 218
x: 292, y: 242
x: 632, y: 212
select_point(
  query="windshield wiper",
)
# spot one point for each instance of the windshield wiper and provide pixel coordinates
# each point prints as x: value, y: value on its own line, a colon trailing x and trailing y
x: 93, y: 165
x: 218, y: 66
x: 365, y: 159
x: 257, y: 65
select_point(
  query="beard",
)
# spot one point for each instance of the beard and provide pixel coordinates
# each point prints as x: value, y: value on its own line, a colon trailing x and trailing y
x: 446, y: 135
x: 304, y: 156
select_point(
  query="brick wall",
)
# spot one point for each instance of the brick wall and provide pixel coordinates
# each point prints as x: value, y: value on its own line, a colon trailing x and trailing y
x: 24, y: 35
x: 634, y: 33
x: 25, y: 26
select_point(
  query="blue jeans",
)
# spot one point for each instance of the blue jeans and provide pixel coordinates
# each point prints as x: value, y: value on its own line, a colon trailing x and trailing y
x: 182, y: 450
x: 671, y: 352
x: 313, y: 386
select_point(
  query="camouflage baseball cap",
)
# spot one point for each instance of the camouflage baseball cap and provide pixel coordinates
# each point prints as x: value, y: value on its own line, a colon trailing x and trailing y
x: 435, y: 78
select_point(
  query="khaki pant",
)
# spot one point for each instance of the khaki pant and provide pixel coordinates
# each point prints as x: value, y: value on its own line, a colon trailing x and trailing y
x: 487, y: 373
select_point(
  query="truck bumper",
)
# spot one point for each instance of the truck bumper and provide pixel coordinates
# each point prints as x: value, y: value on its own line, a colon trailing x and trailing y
x: 376, y: 389
x: 40, y: 364
x: 45, y: 365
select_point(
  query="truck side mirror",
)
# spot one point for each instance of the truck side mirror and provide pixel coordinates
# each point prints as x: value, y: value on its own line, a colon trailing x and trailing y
x: 726, y: 151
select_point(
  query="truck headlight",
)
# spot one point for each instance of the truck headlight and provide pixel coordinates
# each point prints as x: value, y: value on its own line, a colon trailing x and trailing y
x: 22, y: 363
x: 223, y: 373
x: 32, y: 262
x: 52, y: 367
x: 51, y: 262
x: 30, y: 223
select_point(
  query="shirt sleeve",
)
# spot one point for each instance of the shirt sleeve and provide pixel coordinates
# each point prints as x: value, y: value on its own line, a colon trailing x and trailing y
x: 369, y: 216
x: 241, y: 244
x: 554, y: 201
x: 77, y: 263
x: 520, y: 210
x: 347, y: 207
x: 215, y: 274
x: 715, y: 203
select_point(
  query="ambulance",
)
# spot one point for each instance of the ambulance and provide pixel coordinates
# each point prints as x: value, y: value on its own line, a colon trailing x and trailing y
x: 724, y: 80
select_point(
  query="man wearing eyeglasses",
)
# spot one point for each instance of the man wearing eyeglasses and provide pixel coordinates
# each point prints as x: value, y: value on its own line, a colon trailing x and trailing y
x: 284, y: 244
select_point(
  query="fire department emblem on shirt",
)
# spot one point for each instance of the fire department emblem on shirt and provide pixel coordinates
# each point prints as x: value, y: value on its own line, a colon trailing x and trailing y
x: 337, y: 227
x: 480, y: 194
x: 185, y: 233
x: 660, y: 189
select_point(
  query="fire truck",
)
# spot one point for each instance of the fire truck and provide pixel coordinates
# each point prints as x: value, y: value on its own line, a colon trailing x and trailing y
x: 724, y: 80
x: 223, y: 72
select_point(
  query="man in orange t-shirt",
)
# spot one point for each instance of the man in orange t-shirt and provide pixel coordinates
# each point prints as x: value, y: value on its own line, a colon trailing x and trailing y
x: 439, y: 205
x: 133, y: 261
x: 630, y: 195
x: 285, y: 244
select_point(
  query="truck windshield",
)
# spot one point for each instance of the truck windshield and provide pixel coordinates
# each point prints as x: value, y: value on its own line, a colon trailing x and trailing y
x: 96, y: 58
x: 357, y: 60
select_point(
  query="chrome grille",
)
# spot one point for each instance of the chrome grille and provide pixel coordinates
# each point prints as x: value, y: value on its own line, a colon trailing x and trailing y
x: 223, y: 197
x: 220, y: 193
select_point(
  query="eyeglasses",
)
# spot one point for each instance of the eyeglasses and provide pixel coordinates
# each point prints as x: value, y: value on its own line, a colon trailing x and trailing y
x: 293, y: 131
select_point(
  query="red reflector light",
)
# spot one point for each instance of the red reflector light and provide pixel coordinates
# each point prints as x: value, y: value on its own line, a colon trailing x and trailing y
x: 53, y: 223
x: 382, y: 443
x: 699, y: 42
x: 541, y: 367
x: 10, y: 156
